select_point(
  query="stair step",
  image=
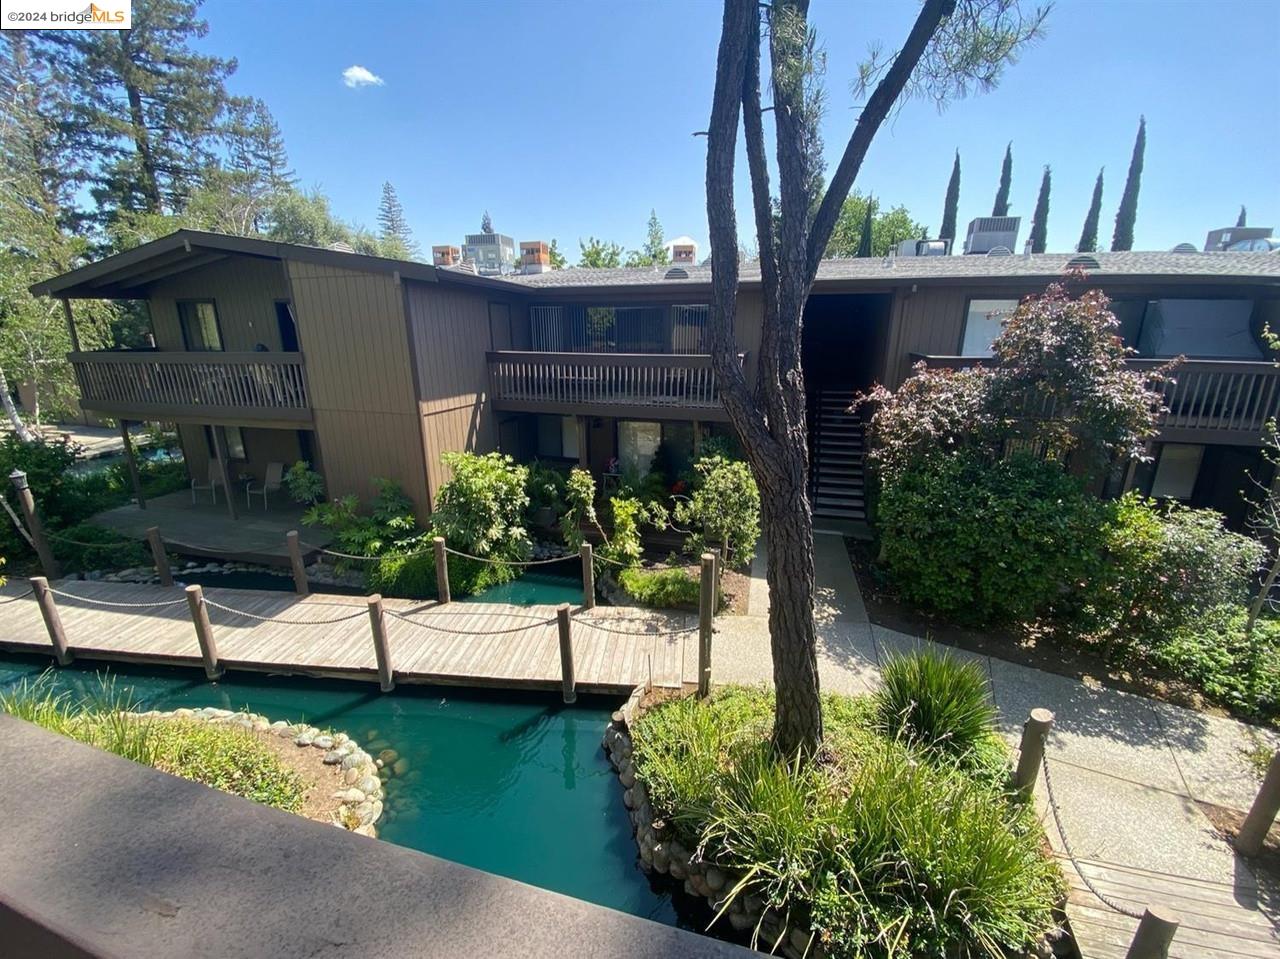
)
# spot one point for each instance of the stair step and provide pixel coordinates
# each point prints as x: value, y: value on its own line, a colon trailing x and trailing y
x: 847, y: 514
x: 849, y: 487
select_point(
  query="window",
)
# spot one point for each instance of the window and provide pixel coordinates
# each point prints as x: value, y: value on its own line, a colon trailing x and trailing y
x: 1217, y: 328
x: 982, y: 325
x: 1177, y: 470
x: 199, y: 322
x: 637, y: 442
x: 557, y: 437
x: 235, y: 442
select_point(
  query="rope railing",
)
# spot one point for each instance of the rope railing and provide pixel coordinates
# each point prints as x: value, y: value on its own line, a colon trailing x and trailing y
x: 468, y: 632
x: 284, y: 620
x: 94, y: 601
x: 509, y: 562
x: 13, y: 599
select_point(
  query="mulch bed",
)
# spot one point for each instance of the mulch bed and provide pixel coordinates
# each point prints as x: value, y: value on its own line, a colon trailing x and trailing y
x: 1227, y: 823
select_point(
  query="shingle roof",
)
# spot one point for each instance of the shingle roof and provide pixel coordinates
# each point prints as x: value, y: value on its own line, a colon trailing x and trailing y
x: 1263, y: 267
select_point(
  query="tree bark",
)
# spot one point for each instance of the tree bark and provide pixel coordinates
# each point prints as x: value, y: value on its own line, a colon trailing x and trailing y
x: 138, y: 127
x: 11, y: 412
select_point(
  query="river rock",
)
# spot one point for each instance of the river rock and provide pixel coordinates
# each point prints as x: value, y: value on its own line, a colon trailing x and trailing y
x: 388, y: 756
x: 627, y: 776
x: 351, y: 795
x: 369, y: 784
x: 323, y: 742
x: 352, y: 761
x: 304, y: 739
x: 400, y: 766
x: 377, y: 746
x: 350, y: 776
x: 333, y: 757
x: 715, y: 878
x: 340, y: 738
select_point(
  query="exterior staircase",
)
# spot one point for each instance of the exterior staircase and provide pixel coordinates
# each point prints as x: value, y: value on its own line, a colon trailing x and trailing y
x: 837, y: 464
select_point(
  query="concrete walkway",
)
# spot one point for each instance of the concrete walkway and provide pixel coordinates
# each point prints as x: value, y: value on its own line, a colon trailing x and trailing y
x: 1126, y: 770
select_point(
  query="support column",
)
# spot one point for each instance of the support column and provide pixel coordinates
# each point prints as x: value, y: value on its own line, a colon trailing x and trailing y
x: 52, y: 621
x: 131, y: 458
x: 159, y: 556
x: 1253, y: 831
x: 706, y: 614
x: 567, y: 684
x: 34, y: 526
x: 220, y: 452
x: 580, y: 422
x: 300, y: 585
x: 1031, y: 750
x: 71, y: 325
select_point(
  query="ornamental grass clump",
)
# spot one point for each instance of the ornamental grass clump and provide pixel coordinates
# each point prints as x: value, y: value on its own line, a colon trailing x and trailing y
x: 935, y: 701
x: 887, y: 845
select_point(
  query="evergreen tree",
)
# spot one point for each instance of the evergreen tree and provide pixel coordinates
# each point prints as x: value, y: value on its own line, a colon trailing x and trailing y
x: 654, y: 251
x: 146, y: 108
x: 486, y: 224
x: 1040, y: 222
x: 599, y: 254
x: 889, y: 227
x: 1243, y: 218
x: 1089, y: 235
x: 1127, y: 215
x: 951, y: 204
x: 1001, y: 207
x: 864, y: 242
x: 393, y: 229
x: 558, y: 259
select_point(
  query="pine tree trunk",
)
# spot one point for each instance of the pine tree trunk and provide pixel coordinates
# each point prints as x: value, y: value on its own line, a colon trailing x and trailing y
x: 150, y: 182
x: 11, y: 412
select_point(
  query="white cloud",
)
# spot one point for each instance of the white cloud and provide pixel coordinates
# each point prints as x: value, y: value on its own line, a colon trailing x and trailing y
x: 357, y: 76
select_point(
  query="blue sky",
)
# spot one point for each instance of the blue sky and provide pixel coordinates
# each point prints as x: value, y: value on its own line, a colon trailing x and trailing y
x: 570, y: 118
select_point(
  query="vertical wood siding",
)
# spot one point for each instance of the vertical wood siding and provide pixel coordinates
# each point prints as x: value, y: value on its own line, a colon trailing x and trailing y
x: 351, y: 326
x: 244, y: 290
x: 928, y: 321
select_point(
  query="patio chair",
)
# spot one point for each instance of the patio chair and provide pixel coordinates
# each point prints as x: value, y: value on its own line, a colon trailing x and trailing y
x: 275, y: 473
x: 215, y: 480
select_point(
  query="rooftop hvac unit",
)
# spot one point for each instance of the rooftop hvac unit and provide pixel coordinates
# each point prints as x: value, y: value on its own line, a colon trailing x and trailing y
x: 924, y: 248
x: 988, y: 232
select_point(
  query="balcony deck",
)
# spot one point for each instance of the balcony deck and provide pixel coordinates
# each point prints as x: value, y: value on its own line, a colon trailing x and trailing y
x: 203, y: 528
x: 1207, y: 401
x: 644, y: 385
x: 265, y: 389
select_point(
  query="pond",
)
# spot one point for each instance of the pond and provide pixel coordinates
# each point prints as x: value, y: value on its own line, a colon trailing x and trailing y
x: 512, y: 784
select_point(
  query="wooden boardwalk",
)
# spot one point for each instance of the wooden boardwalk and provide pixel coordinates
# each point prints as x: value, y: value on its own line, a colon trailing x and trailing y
x: 471, y: 644
x: 1216, y: 920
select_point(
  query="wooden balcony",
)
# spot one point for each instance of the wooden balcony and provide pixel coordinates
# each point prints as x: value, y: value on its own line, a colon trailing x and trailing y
x: 1208, y: 401
x: 631, y: 385
x: 265, y: 389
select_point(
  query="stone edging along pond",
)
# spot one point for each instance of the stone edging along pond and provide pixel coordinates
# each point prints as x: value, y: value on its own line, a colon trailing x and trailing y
x: 359, y: 802
x: 661, y: 851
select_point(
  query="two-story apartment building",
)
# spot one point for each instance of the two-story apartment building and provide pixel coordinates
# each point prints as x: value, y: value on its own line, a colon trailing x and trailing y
x: 367, y: 367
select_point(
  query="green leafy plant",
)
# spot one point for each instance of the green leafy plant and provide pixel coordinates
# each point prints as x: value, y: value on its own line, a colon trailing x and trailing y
x: 481, y: 509
x: 669, y: 588
x: 546, y: 489
x: 935, y: 701
x: 111, y: 552
x: 723, y: 511
x: 414, y: 576
x: 624, y: 545
x: 304, y: 484
x: 580, y: 508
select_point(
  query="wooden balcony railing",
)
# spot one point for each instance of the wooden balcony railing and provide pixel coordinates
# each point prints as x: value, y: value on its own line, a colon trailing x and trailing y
x: 194, y: 387
x: 618, y: 384
x: 1206, y: 399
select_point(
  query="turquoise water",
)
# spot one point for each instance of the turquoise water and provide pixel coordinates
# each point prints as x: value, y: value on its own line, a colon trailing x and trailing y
x: 515, y: 785
x: 536, y: 588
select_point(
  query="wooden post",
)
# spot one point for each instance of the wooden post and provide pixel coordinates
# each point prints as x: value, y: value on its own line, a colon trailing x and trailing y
x: 52, y: 621
x: 580, y: 424
x: 132, y: 460
x: 300, y: 584
x: 220, y: 453
x: 1154, y: 933
x: 1253, y: 832
x: 718, y: 553
x: 159, y: 556
x: 71, y: 325
x: 381, y: 651
x: 706, y: 612
x: 588, y: 576
x: 50, y: 565
x: 204, y: 631
x: 442, y: 570
x: 566, y: 654
x: 1031, y: 751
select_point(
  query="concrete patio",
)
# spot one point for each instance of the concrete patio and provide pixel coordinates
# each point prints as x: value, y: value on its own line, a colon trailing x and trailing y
x: 204, y: 528
x: 1127, y: 770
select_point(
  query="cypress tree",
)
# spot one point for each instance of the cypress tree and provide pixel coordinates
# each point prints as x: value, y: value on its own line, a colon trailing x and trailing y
x: 486, y: 224
x: 951, y: 203
x: 1127, y: 215
x: 393, y: 229
x: 1089, y: 235
x: 1242, y: 219
x: 1001, y: 207
x: 864, y: 243
x: 1040, y: 223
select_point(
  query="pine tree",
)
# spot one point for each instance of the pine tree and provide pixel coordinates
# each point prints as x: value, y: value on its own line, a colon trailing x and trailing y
x: 1001, y: 207
x: 238, y: 192
x: 951, y: 204
x: 1243, y: 218
x: 558, y: 260
x: 1127, y: 215
x: 864, y: 242
x: 655, y: 244
x: 394, y: 235
x: 486, y: 224
x: 1040, y: 222
x: 147, y: 107
x: 1089, y: 235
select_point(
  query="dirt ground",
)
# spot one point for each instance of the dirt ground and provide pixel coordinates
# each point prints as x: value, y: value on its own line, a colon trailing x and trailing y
x: 1228, y: 822
x: 321, y: 781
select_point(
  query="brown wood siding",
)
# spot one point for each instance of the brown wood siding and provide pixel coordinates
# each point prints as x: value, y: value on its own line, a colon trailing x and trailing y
x: 451, y: 332
x: 351, y: 327
x: 929, y: 321
x: 244, y: 291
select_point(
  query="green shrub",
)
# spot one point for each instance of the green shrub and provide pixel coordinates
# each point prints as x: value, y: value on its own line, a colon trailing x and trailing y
x: 724, y: 509
x: 664, y: 588
x: 114, y: 552
x: 390, y: 528
x: 1165, y: 568
x: 580, y: 508
x: 546, y: 489
x: 304, y: 485
x: 935, y: 701
x: 987, y: 542
x: 623, y: 545
x: 881, y: 850
x: 1241, y: 672
x: 414, y: 577
x: 481, y: 509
